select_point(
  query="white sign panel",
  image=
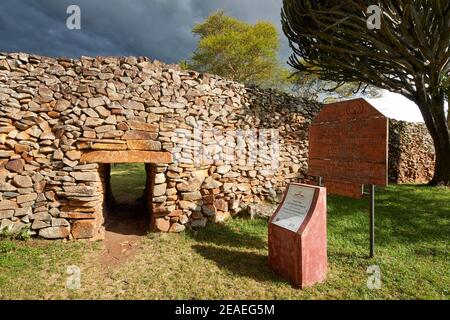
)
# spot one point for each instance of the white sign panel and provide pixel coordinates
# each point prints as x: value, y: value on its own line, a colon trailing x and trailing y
x: 294, y: 208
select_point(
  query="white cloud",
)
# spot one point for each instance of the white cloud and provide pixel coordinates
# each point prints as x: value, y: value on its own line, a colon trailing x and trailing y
x: 396, y: 106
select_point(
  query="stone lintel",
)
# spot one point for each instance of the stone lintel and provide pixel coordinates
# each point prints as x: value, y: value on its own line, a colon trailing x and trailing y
x: 129, y: 156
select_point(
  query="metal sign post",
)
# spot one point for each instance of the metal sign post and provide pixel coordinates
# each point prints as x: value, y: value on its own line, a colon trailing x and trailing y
x: 372, y: 220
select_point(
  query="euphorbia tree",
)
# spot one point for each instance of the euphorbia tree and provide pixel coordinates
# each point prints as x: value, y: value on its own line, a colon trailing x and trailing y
x: 409, y: 53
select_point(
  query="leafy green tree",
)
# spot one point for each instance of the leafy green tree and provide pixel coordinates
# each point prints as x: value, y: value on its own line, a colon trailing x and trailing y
x: 184, y: 64
x: 237, y: 50
x: 407, y: 53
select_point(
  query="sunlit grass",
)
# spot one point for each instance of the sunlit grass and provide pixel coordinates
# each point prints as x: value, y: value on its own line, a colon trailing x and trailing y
x: 127, y: 181
x: 230, y: 261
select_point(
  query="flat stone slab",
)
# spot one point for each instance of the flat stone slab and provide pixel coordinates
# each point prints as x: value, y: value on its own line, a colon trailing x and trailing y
x: 127, y: 156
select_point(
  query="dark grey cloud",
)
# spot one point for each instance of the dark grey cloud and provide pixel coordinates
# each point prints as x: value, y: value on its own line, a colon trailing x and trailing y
x: 159, y: 29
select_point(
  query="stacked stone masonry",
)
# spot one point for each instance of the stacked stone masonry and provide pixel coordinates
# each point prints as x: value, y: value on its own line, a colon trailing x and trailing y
x: 411, y: 153
x: 64, y: 121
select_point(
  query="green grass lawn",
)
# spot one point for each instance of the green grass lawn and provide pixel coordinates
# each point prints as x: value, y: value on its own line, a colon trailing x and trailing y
x: 127, y: 181
x: 230, y: 261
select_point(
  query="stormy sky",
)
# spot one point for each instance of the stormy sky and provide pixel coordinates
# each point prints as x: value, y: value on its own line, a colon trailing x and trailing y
x: 159, y: 29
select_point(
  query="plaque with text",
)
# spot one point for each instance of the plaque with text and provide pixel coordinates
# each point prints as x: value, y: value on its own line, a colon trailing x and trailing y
x: 298, y: 236
x: 294, y: 207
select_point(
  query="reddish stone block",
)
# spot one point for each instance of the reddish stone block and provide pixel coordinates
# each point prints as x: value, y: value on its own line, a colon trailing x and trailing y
x: 53, y: 114
x: 8, y: 204
x: 19, y: 148
x: 221, y: 205
x: 123, y: 126
x: 39, y: 187
x: 77, y: 215
x: 83, y: 229
x: 15, y: 165
x: 209, y: 210
x: 117, y: 112
x: 158, y: 224
x: 143, y: 145
x: 83, y: 209
x: 143, y: 126
x: 176, y: 213
x: 139, y: 135
x: 126, y: 156
x: 109, y: 146
x: 208, y: 199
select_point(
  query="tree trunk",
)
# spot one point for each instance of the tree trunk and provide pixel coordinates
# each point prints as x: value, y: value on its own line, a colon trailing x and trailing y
x: 434, y: 116
x: 448, y: 113
x: 448, y: 107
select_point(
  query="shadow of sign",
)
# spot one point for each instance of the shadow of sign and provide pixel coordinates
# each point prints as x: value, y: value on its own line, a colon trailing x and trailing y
x: 243, y: 263
x: 223, y: 235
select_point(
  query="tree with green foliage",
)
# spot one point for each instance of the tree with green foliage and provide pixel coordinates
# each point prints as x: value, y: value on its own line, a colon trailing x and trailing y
x: 407, y: 53
x: 236, y: 50
x: 239, y: 51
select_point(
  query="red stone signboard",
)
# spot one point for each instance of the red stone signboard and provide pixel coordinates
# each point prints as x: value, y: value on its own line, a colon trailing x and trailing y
x: 298, y: 236
x: 347, y: 189
x: 348, y: 147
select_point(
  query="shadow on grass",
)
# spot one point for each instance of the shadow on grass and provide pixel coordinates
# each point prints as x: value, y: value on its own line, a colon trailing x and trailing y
x: 248, y: 264
x: 226, y: 235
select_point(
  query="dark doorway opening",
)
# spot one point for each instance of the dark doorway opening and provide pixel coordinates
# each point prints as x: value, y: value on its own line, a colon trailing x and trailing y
x: 126, y: 198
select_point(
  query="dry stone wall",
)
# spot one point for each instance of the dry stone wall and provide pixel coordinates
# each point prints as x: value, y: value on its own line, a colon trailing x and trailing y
x: 411, y: 153
x: 62, y: 121
x: 203, y: 140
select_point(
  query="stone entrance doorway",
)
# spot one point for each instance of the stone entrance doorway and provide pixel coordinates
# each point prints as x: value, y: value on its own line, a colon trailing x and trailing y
x: 127, y: 215
x: 127, y: 218
x: 127, y: 198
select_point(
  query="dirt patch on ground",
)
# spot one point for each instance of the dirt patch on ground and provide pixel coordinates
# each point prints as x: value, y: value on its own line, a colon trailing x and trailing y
x: 125, y: 226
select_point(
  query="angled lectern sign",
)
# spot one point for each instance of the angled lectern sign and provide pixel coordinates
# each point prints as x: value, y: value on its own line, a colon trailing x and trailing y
x: 295, y: 207
x: 298, y: 236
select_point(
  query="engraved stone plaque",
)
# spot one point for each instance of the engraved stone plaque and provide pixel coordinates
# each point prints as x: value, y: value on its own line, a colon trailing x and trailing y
x: 294, y: 208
